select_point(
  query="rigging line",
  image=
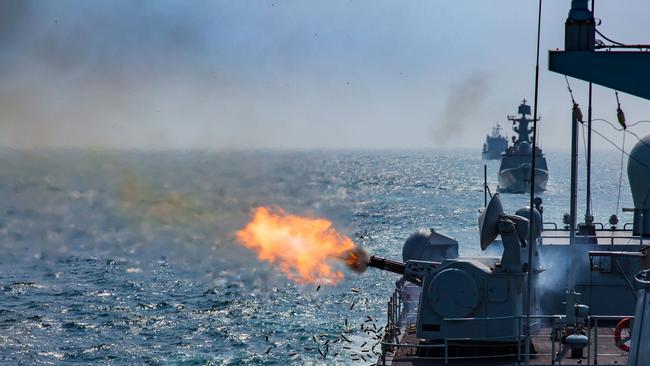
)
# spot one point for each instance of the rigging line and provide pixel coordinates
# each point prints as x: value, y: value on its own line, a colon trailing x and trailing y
x: 621, y: 150
x: 568, y: 86
x: 610, y: 40
x: 584, y: 144
x: 637, y: 122
x: 621, y: 129
x: 620, y: 175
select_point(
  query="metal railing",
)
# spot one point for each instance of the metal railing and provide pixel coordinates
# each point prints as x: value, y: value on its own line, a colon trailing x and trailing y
x: 392, y: 344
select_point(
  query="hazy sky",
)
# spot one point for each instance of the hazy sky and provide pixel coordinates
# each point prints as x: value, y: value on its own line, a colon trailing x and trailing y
x: 289, y: 74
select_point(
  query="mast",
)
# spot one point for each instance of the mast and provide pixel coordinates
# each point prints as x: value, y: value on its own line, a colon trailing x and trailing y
x: 522, y: 130
x: 531, y: 270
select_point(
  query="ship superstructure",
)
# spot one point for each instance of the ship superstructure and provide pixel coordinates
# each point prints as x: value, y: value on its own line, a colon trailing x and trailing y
x: 515, y: 169
x: 495, y: 144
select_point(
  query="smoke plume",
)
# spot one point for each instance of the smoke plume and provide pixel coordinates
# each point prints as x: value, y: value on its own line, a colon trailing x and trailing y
x: 463, y: 105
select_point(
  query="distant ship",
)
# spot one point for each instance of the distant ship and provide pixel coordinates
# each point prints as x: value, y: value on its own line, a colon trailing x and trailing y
x: 515, y: 170
x: 495, y: 144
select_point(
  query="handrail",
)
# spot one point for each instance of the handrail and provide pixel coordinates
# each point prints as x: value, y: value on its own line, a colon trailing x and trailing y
x: 592, y: 236
x: 557, y: 317
x: 550, y: 223
x: 605, y: 230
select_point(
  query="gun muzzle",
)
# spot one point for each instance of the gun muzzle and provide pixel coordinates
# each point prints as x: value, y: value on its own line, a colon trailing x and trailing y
x: 387, y: 265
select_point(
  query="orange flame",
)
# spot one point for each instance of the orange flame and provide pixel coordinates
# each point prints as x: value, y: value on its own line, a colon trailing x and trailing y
x: 301, y: 247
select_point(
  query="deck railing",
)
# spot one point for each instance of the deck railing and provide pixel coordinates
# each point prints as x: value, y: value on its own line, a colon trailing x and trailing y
x: 391, y: 341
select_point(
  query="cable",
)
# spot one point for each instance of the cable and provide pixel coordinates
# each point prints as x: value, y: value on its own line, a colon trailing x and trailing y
x: 621, y: 150
x: 607, y: 39
x: 620, y: 175
x: 637, y: 122
x: 584, y: 144
x: 618, y: 44
x: 621, y: 129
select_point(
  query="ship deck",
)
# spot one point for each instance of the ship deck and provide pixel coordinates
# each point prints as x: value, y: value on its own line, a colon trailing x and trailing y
x: 607, y: 352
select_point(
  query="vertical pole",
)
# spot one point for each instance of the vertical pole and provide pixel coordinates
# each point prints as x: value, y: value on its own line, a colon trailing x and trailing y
x: 589, y: 330
x: 588, y: 218
x: 485, y: 185
x: 596, y: 341
x: 574, y: 196
x: 532, y: 192
x: 553, y: 343
x: 446, y: 351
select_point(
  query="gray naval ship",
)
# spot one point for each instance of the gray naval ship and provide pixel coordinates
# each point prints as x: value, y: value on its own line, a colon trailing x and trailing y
x: 515, y: 169
x: 543, y: 294
x: 495, y: 144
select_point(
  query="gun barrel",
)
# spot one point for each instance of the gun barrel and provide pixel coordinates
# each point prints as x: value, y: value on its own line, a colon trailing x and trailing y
x: 387, y: 264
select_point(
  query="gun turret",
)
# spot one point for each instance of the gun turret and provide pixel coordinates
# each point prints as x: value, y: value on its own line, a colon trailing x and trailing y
x: 413, y: 271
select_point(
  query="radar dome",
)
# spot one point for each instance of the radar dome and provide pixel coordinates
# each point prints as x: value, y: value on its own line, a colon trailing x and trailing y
x: 429, y: 245
x: 638, y: 173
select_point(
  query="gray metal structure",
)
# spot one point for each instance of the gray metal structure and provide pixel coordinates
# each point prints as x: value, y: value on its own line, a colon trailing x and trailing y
x: 495, y: 144
x: 516, y: 168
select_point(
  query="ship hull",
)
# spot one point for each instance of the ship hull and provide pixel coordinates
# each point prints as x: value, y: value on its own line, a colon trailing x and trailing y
x: 492, y: 155
x: 517, y: 180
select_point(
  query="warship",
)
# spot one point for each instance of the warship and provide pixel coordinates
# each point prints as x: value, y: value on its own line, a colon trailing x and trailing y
x: 495, y: 144
x: 515, y: 169
x: 543, y: 294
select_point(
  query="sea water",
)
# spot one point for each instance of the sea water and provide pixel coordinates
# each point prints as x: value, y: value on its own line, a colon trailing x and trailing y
x: 129, y: 258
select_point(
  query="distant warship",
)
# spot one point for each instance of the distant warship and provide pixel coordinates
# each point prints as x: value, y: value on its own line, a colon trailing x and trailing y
x: 514, y: 173
x: 495, y: 144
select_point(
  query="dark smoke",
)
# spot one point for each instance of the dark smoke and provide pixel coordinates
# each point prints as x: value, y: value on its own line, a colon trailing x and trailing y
x: 463, y: 106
